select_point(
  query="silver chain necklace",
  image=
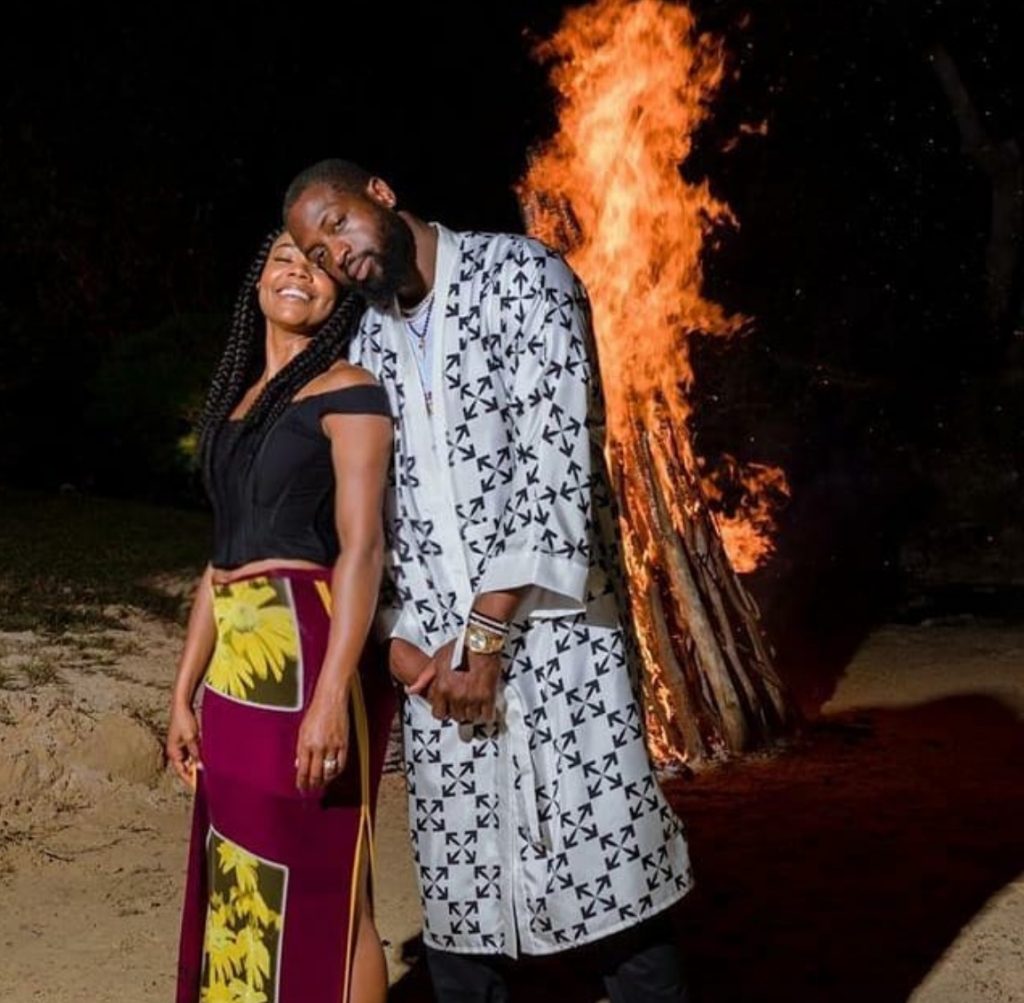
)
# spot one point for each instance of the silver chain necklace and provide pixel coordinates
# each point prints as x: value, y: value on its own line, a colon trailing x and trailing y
x: 421, y: 333
x: 420, y: 338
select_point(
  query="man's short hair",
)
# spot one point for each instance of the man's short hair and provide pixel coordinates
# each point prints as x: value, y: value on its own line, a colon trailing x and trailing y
x: 341, y: 175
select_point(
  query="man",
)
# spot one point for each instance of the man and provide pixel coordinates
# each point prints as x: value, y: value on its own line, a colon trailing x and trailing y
x: 536, y: 820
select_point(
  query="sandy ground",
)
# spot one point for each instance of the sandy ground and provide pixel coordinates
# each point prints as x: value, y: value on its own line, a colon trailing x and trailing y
x: 878, y: 859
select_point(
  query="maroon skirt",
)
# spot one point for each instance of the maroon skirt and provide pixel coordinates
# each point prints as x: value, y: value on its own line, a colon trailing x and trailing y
x: 273, y: 874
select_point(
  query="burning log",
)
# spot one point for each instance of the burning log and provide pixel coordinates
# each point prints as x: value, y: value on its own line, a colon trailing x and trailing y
x: 711, y: 688
x: 635, y: 82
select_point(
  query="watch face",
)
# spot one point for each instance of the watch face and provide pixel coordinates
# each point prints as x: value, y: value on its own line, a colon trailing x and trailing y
x: 481, y: 644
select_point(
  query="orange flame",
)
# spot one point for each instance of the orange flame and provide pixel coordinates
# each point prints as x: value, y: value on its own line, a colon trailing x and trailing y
x: 747, y: 527
x: 636, y: 81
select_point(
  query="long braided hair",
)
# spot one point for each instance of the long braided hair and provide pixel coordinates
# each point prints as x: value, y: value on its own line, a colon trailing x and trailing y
x: 244, y: 358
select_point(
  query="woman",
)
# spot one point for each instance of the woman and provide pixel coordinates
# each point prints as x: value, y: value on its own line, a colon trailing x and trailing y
x: 295, y: 445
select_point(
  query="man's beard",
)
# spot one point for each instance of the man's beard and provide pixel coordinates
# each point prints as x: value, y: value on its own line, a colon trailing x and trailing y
x: 395, y: 260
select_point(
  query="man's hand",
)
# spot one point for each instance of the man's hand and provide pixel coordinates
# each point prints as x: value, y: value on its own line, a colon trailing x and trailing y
x: 467, y: 697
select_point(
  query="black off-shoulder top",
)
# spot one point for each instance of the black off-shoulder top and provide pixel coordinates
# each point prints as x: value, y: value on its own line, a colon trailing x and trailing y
x: 282, y: 503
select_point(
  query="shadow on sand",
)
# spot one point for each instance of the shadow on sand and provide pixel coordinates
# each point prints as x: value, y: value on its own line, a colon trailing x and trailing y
x: 840, y: 869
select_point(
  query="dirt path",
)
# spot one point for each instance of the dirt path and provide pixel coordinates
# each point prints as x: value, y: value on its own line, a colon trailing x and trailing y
x: 92, y: 832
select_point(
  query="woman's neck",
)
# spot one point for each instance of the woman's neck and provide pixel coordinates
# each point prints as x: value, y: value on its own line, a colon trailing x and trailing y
x: 281, y: 347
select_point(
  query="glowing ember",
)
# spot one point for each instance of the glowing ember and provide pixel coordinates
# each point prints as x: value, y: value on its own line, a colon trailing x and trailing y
x: 636, y: 81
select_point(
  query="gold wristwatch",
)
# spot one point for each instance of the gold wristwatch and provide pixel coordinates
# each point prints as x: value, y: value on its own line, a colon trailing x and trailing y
x: 481, y: 641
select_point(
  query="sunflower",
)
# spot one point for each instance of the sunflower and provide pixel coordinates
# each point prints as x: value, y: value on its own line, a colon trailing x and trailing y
x: 221, y: 948
x: 256, y: 635
x: 255, y: 955
x: 228, y: 673
x: 252, y: 905
x: 233, y: 858
x: 224, y: 910
x: 241, y: 942
x: 242, y: 993
x: 218, y: 992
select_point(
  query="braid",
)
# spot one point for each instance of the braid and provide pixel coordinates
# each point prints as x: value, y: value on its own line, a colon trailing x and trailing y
x: 240, y: 362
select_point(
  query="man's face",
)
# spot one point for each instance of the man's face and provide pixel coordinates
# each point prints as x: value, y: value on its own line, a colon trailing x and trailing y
x: 362, y: 244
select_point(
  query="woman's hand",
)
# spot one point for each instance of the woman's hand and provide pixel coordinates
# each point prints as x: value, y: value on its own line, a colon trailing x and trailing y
x: 323, y: 740
x: 406, y: 663
x: 182, y: 745
x: 423, y: 684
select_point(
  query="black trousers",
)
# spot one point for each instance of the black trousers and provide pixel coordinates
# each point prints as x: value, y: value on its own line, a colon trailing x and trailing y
x: 639, y: 965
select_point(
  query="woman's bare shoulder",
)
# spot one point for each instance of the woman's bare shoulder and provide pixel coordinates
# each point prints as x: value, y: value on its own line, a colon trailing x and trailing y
x: 340, y: 376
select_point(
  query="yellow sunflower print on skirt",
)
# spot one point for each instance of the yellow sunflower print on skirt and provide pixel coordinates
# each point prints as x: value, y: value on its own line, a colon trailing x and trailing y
x: 257, y: 658
x: 243, y: 925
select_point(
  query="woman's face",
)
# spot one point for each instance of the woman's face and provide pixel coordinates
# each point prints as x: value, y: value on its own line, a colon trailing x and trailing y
x: 293, y: 293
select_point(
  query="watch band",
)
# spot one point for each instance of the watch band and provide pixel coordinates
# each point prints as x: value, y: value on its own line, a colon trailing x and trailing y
x: 495, y: 626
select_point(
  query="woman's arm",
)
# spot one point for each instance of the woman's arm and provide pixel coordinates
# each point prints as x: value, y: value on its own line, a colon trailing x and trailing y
x: 406, y: 663
x: 361, y: 454
x: 182, y: 744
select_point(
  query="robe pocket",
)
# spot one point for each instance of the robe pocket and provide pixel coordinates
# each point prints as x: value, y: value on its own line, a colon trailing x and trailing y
x: 534, y: 771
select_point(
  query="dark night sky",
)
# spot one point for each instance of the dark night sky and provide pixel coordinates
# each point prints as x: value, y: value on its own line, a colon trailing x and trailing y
x: 178, y: 134
x: 144, y: 155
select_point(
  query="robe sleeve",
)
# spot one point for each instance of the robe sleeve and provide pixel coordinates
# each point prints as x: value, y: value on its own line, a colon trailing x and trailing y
x: 543, y: 535
x: 396, y: 616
